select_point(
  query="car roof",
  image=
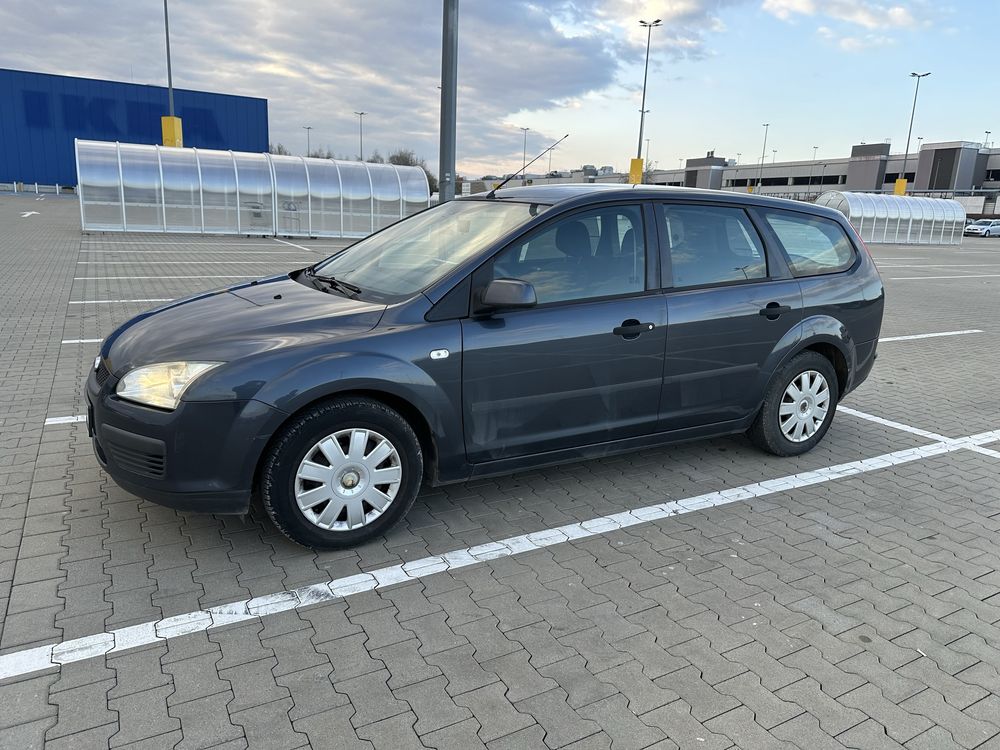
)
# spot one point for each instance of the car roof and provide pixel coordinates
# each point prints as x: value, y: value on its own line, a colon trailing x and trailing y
x: 580, y: 194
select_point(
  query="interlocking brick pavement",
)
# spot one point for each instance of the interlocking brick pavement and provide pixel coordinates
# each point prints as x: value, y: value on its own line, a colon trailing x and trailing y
x: 858, y: 612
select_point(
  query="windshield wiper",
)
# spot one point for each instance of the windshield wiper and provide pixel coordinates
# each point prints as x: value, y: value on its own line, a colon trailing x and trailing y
x: 343, y: 286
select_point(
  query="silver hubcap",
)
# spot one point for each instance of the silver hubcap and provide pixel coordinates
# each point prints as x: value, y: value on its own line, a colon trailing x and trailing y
x: 804, y: 406
x: 348, y: 479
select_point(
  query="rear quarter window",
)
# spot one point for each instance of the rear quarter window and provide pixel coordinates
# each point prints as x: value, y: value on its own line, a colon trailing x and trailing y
x: 814, y: 245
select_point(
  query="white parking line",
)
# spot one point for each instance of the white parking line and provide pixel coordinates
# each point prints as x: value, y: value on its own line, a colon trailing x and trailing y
x: 960, y: 442
x: 177, y: 262
x: 262, y: 243
x: 199, y: 252
x: 122, y: 278
x: 81, y: 341
x: 116, y: 301
x: 66, y: 420
x: 914, y: 337
x: 926, y: 278
x: 301, y: 247
x: 32, y: 660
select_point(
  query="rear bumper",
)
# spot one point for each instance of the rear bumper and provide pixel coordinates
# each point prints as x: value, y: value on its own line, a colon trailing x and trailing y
x: 865, y: 355
x: 201, y: 456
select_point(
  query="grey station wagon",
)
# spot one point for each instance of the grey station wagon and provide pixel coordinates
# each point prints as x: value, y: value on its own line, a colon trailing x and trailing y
x: 535, y: 326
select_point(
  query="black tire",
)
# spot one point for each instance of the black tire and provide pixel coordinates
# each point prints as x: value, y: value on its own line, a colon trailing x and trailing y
x: 297, y: 439
x: 766, y: 433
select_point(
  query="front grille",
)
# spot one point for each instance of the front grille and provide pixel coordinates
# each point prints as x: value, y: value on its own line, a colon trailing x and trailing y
x: 103, y: 373
x: 138, y: 461
x: 137, y: 454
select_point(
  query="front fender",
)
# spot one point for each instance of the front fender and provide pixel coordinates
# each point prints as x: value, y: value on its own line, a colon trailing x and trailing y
x: 395, y: 362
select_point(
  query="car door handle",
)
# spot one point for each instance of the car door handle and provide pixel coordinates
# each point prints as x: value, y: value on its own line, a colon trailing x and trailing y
x: 631, y: 329
x: 772, y: 310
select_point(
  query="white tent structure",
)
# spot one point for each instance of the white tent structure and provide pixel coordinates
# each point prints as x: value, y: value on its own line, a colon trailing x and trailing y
x: 899, y: 219
x: 129, y: 187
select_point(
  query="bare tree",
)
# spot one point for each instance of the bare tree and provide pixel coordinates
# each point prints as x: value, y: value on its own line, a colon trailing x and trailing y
x: 279, y: 149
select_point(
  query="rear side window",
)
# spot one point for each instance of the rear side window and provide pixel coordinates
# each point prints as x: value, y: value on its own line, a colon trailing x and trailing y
x: 814, y: 245
x: 712, y: 245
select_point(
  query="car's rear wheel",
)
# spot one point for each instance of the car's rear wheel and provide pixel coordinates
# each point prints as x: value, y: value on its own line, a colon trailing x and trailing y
x: 341, y: 472
x: 798, y: 407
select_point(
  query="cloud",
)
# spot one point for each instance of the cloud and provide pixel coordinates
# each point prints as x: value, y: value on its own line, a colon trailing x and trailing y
x: 864, y: 13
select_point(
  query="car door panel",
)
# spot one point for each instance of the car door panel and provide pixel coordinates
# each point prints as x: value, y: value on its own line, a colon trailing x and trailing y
x: 546, y: 379
x: 723, y: 332
x: 718, y: 346
x: 584, y: 366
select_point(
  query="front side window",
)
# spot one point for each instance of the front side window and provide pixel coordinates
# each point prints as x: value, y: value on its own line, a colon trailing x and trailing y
x: 712, y: 245
x: 814, y: 245
x: 412, y: 254
x: 597, y: 253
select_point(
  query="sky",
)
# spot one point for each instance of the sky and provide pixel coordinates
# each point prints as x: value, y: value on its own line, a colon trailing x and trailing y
x: 826, y: 73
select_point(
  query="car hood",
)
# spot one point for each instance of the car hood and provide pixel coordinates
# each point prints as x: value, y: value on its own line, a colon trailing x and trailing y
x: 241, y: 320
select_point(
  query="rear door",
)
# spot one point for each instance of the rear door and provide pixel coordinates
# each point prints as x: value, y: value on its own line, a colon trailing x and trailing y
x: 585, y: 366
x: 729, y: 303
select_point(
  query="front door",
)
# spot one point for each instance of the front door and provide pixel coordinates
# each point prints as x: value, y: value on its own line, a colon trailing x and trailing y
x: 728, y: 305
x: 585, y: 366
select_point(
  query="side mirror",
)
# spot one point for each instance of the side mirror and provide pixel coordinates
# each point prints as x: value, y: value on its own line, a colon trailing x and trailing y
x: 508, y: 294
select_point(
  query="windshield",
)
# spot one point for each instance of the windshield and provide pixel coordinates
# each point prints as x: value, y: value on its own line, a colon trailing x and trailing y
x: 412, y: 254
x: 983, y: 221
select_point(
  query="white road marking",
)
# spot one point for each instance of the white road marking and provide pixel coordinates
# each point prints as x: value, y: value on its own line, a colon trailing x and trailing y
x: 81, y: 341
x: 181, y: 262
x: 199, y: 252
x: 121, y: 278
x: 300, y: 247
x: 914, y: 337
x: 262, y: 243
x: 66, y: 420
x: 116, y: 301
x: 924, y: 278
x: 37, y: 659
x: 917, y: 431
x: 26, y: 214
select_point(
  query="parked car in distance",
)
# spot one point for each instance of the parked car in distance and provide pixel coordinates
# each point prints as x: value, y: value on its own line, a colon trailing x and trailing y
x: 494, y: 333
x: 983, y: 228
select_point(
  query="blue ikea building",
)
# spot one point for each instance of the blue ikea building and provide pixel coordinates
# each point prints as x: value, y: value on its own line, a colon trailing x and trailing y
x: 41, y: 114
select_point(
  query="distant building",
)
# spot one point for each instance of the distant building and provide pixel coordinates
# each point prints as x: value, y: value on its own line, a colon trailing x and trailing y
x: 43, y: 113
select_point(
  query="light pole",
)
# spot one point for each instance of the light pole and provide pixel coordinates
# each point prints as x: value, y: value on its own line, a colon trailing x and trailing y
x: 901, y: 181
x: 812, y: 165
x: 647, y: 153
x: 449, y: 101
x: 821, y: 173
x: 738, y: 155
x: 763, y: 150
x: 550, y: 158
x: 361, y: 133
x: 680, y: 163
x: 170, y: 77
x: 774, y: 155
x: 524, y: 154
x: 645, y: 76
x: 307, y: 128
x: 986, y: 142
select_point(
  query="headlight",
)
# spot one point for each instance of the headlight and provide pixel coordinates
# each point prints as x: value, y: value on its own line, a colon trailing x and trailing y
x: 161, y: 385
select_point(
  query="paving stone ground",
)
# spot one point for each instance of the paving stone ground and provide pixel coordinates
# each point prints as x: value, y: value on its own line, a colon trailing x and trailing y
x: 860, y: 612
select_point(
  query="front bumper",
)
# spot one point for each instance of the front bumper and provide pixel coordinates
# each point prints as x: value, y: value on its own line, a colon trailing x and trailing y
x: 202, y: 456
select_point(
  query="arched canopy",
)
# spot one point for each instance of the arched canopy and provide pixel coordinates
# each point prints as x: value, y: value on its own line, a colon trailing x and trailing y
x: 142, y: 188
x: 899, y: 219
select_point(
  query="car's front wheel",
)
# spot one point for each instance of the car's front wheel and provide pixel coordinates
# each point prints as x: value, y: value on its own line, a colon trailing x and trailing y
x: 341, y: 472
x: 798, y: 407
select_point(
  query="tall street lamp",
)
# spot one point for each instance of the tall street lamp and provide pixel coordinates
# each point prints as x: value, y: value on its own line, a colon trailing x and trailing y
x: 524, y: 154
x: 307, y: 128
x: 986, y: 142
x: 901, y: 181
x: 774, y: 155
x: 812, y: 164
x: 170, y: 126
x: 763, y: 151
x: 649, y: 26
x: 361, y: 133
x: 738, y: 155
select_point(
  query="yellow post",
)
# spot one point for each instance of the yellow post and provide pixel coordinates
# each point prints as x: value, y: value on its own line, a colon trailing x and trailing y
x: 635, y: 172
x: 900, y: 188
x: 172, y: 134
